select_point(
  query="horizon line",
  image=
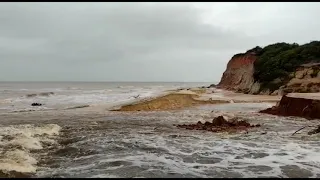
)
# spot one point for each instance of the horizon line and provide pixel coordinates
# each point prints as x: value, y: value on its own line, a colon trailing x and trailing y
x: 115, y: 81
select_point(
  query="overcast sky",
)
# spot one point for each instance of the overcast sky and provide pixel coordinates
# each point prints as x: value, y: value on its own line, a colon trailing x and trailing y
x: 138, y: 41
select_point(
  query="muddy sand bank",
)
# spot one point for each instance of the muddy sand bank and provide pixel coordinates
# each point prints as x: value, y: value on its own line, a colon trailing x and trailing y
x: 168, y: 102
x: 179, y: 99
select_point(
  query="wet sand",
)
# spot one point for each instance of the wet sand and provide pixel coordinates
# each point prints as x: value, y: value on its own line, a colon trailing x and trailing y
x: 180, y: 99
x: 169, y: 102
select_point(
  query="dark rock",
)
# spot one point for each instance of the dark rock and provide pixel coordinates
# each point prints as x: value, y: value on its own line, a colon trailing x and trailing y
x: 212, y: 86
x: 315, y: 131
x: 207, y: 123
x: 31, y: 95
x: 219, y: 121
x: 219, y: 124
x: 36, y: 104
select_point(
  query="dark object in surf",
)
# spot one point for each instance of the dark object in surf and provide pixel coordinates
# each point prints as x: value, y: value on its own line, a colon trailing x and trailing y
x: 315, y: 131
x: 136, y: 96
x: 46, y: 93
x: 294, y: 106
x: 36, y: 104
x: 78, y: 107
x: 31, y: 95
x: 212, y: 86
x: 40, y: 94
x: 219, y: 124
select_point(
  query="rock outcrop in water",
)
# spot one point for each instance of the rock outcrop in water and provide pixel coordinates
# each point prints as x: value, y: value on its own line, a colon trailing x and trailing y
x: 294, y: 106
x: 36, y: 104
x: 219, y: 124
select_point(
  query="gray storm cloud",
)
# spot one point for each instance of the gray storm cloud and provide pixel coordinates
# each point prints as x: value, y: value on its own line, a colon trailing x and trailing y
x: 141, y: 41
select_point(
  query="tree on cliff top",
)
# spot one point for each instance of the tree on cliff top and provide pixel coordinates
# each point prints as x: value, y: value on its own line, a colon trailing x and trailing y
x: 278, y: 60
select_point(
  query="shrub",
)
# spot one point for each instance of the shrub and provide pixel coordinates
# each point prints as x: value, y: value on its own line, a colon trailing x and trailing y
x: 280, y: 59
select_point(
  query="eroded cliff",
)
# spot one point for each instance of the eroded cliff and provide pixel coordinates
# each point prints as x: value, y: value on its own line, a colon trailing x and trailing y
x: 276, y: 69
x: 295, y: 106
x: 238, y: 75
x: 306, y: 79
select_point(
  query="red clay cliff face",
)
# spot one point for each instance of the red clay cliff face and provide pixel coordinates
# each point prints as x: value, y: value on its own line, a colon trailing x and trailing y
x: 239, y: 73
x: 292, y: 106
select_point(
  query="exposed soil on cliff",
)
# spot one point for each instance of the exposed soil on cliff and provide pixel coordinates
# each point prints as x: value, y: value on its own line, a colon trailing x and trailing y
x: 295, y: 106
x: 306, y: 79
x: 244, y: 75
x: 239, y: 73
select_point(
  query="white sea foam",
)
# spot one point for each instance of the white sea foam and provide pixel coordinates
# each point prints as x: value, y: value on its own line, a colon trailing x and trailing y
x: 25, y: 138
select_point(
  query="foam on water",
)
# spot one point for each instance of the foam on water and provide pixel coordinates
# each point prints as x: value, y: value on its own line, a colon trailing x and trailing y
x: 17, y: 141
x: 146, y: 144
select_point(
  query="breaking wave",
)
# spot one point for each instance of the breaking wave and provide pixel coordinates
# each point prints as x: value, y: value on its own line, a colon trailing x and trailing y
x: 17, y: 143
x: 45, y: 94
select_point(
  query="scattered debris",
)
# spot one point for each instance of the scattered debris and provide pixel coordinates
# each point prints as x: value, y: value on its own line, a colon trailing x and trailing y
x: 298, y: 130
x: 136, y: 96
x: 315, y: 131
x: 219, y: 124
x: 77, y: 107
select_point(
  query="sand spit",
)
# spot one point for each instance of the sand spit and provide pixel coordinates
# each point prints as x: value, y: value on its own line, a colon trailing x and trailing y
x: 170, y: 101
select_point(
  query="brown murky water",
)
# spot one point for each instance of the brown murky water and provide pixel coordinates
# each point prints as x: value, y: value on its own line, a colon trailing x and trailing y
x: 99, y: 143
x: 146, y: 144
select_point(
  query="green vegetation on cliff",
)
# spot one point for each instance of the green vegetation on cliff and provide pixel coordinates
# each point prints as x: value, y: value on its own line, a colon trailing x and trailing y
x: 280, y: 59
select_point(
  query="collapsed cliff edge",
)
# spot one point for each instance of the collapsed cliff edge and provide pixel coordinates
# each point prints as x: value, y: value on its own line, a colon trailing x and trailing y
x: 276, y: 69
x: 295, y: 106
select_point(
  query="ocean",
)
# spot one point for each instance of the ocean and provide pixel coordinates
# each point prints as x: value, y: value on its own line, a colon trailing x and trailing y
x: 61, y: 139
x: 60, y: 95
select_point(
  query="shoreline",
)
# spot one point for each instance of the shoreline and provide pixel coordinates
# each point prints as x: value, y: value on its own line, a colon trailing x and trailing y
x: 96, y: 120
x: 181, y: 98
x: 190, y: 97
